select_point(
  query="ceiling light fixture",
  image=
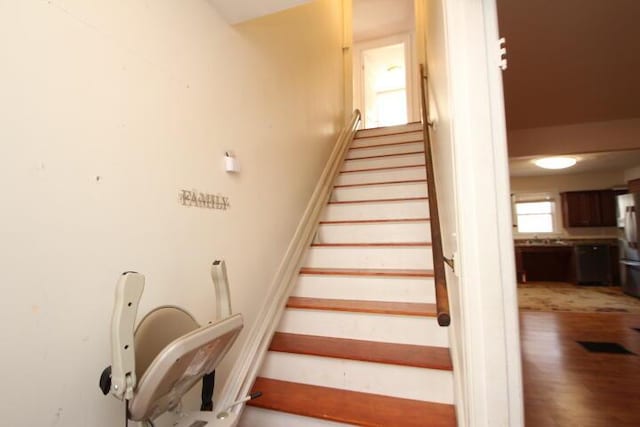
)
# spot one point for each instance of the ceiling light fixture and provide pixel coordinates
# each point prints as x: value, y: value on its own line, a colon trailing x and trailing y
x: 555, y: 162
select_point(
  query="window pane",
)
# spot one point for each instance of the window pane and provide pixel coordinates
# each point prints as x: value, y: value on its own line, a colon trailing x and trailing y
x: 538, y: 223
x: 533, y: 208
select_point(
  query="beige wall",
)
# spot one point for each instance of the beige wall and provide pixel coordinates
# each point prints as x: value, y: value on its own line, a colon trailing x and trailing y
x: 421, y: 30
x: 555, y: 184
x: 632, y: 174
x: 108, y: 109
x: 576, y: 138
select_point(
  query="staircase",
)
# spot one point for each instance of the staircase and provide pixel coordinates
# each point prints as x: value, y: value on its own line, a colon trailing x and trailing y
x: 358, y: 343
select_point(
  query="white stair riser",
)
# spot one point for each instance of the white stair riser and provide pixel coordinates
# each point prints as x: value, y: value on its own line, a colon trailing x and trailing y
x: 405, y: 382
x: 259, y: 417
x: 392, y: 232
x: 376, y: 210
x: 419, y: 257
x: 365, y: 326
x: 395, y: 289
x: 387, y: 139
x: 386, y: 150
x: 389, y: 129
x: 384, y: 162
x: 380, y: 192
x: 403, y: 174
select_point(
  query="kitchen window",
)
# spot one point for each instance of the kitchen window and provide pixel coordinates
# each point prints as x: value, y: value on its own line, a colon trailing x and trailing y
x: 534, y: 214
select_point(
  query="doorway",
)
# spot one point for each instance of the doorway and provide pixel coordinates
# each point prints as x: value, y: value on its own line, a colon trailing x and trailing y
x: 384, y: 86
x: 385, y: 70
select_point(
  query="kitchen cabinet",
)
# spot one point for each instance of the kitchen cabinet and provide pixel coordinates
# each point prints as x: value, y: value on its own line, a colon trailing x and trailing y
x: 556, y: 262
x: 608, y: 208
x: 594, y: 208
x: 545, y: 263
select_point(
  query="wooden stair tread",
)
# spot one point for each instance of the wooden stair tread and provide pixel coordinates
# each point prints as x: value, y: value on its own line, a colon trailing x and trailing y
x: 382, y: 272
x: 421, y: 165
x: 374, y: 221
x: 363, y: 306
x: 384, y: 134
x: 380, y: 156
x: 350, y: 407
x: 401, y: 199
x: 369, y: 184
x: 372, y: 245
x: 388, y: 144
x: 418, y: 356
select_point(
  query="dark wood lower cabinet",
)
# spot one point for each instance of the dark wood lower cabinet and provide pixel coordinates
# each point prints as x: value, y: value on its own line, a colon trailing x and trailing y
x: 615, y: 264
x: 546, y: 264
x: 554, y: 264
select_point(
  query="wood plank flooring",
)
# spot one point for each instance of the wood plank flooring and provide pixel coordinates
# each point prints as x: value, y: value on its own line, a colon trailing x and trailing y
x: 565, y: 385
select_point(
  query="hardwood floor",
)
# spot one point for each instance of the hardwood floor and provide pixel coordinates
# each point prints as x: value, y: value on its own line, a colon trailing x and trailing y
x: 565, y: 385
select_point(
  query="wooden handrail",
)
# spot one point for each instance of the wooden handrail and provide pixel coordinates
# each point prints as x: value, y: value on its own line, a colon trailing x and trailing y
x: 440, y: 278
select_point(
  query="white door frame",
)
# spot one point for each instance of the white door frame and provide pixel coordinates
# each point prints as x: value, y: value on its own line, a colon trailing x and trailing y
x: 489, y: 327
x: 411, y: 70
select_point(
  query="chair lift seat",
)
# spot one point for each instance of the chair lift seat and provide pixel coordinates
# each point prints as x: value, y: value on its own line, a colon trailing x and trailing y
x: 172, y: 354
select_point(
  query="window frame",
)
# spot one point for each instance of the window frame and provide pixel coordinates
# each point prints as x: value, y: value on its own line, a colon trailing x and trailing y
x: 535, y: 198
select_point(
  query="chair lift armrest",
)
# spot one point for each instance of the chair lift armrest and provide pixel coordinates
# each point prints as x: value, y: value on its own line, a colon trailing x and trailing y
x: 123, y: 372
x: 221, y: 285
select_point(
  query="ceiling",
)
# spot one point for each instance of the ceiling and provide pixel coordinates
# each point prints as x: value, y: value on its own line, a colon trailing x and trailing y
x: 374, y: 19
x: 590, y: 162
x: 236, y: 11
x: 570, y: 61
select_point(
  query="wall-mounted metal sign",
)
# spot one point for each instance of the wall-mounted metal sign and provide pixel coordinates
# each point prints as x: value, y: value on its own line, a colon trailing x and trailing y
x: 203, y: 200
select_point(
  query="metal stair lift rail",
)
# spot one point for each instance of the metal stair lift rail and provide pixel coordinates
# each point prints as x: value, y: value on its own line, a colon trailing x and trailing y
x: 246, y: 367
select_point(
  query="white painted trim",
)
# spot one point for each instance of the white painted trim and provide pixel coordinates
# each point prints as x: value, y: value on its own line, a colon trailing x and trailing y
x: 492, y: 383
x: 411, y: 67
x: 505, y: 224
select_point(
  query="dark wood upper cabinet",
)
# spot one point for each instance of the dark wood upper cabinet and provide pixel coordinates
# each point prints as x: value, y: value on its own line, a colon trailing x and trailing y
x: 594, y: 208
x: 608, y: 208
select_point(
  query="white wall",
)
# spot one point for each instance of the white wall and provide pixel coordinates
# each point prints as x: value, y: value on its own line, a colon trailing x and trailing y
x: 575, y: 138
x: 107, y: 110
x: 556, y: 184
x: 362, y: 91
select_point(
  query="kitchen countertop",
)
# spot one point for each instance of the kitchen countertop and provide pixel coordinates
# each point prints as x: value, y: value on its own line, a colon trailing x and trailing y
x: 570, y: 242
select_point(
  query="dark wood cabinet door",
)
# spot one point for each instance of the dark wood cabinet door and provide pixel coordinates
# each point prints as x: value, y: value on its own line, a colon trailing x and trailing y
x: 546, y: 263
x: 607, y: 208
x: 581, y: 209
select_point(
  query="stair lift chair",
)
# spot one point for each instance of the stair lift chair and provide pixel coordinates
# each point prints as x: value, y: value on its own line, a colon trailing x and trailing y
x: 169, y: 352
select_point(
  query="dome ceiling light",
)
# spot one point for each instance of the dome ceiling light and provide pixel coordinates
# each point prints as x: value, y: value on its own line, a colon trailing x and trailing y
x: 555, y: 162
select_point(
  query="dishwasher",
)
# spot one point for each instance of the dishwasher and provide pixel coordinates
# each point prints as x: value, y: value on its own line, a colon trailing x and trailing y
x: 593, y: 264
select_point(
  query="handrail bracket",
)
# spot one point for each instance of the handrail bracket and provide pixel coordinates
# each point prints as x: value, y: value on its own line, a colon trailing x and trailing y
x: 451, y: 262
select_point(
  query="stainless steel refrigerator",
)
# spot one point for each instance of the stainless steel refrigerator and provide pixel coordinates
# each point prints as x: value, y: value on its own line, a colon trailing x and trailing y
x: 628, y: 204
